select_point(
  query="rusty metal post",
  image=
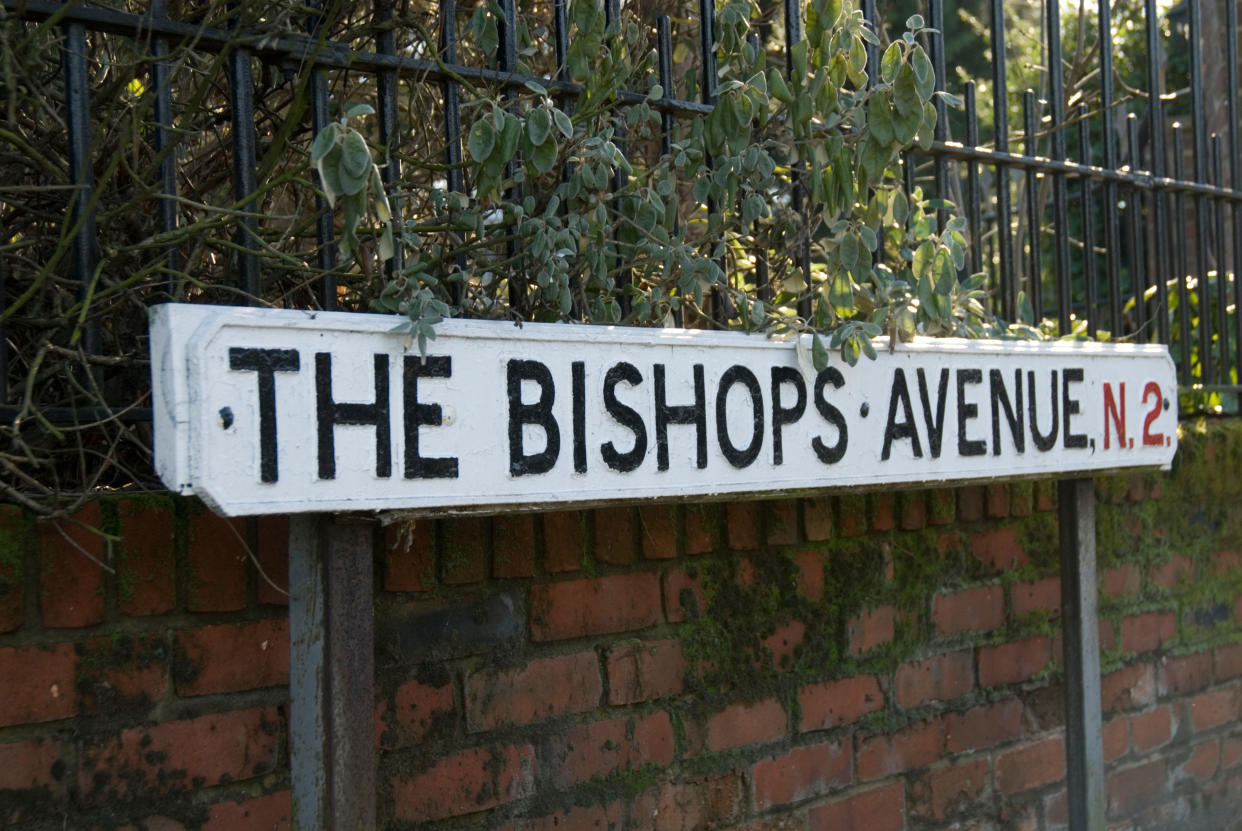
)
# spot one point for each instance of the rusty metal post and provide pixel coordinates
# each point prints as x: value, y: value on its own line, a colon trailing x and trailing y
x: 1084, y: 744
x: 332, y: 673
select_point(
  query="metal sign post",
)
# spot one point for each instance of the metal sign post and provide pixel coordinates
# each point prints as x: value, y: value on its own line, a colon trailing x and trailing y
x: 332, y: 672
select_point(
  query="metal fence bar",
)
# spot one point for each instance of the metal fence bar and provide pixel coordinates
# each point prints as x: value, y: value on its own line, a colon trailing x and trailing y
x: 507, y: 60
x: 1181, y: 258
x: 1091, y: 276
x: 1000, y: 121
x: 389, y: 136
x: 1060, y: 199
x: 798, y: 191
x: 1159, y: 200
x: 1112, y: 222
x: 161, y: 85
x: 1034, y: 270
x: 1235, y: 176
x: 241, y: 112
x: 325, y: 236
x: 1134, y: 237
x: 454, y: 177
x: 82, y: 215
x: 1222, y: 278
x: 1202, y: 217
x: 974, y: 197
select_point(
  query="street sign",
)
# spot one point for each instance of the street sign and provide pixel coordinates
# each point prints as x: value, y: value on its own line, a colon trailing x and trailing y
x: 277, y: 411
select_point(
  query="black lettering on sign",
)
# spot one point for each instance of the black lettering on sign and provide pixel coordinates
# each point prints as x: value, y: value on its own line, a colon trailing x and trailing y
x: 626, y: 416
x: 935, y: 427
x: 829, y: 413
x: 577, y: 371
x: 265, y: 363
x: 782, y: 415
x: 418, y: 414
x: 1071, y: 406
x: 1043, y: 442
x: 739, y: 457
x: 666, y: 414
x: 539, y: 413
x: 329, y: 414
x: 967, y: 411
x: 906, y: 428
x: 1014, y: 413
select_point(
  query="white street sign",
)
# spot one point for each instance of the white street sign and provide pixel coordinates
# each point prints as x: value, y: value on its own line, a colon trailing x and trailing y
x: 273, y: 411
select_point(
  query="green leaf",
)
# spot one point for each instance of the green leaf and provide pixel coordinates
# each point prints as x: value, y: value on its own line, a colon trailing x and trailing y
x: 481, y: 141
x: 776, y: 83
x: 869, y: 238
x: 906, y: 94
x: 538, y: 126
x: 924, y: 75
x: 329, y: 167
x: 891, y: 61
x: 914, y: 21
x: 819, y: 355
x: 923, y: 257
x: 543, y: 156
x: 324, y: 142
x: 536, y: 87
x: 358, y: 110
x: 355, y: 155
x: 509, y: 137
x: 563, y: 123
x: 848, y: 250
x: 880, y: 117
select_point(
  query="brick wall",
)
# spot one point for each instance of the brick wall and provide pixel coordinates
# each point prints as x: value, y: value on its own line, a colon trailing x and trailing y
x: 888, y: 661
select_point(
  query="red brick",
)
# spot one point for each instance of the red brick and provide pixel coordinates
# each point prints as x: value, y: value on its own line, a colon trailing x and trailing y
x: 811, y: 575
x: 1010, y: 663
x: 466, y: 782
x: 1227, y: 662
x: 950, y: 788
x: 71, y: 592
x: 603, y: 817
x: 883, y: 511
x: 542, y: 689
x: 273, y: 555
x: 47, y: 691
x: 1214, y: 708
x: 882, y: 808
x: 1225, y: 562
x: 913, y: 511
x: 1031, y: 766
x: 1045, y: 495
x: 981, y: 609
x: 999, y: 550
x: 697, y: 803
x: 701, y: 528
x: 644, y: 671
x: 419, y: 709
x: 180, y: 755
x: 121, y: 671
x: 741, y: 724
x: 683, y: 594
x: 1203, y: 763
x: 970, y: 502
x: 657, y: 525
x: 1185, y: 674
x: 614, y: 536
x: 795, y: 822
x: 1108, y: 635
x: 781, y: 525
x: 942, y: 677
x: 802, y: 773
x: 580, y: 608
x: 817, y: 518
x: 914, y: 747
x: 464, y: 544
x: 217, y: 560
x: 742, y: 525
x: 983, y: 727
x: 13, y: 542
x: 31, y: 764
x: 1040, y: 596
x: 834, y: 703
x: 1020, y: 498
x: 513, y: 546
x: 1175, y: 571
x: 941, y: 506
x: 606, y: 747
x: 1129, y: 688
x: 1230, y: 752
x: 1131, y: 789
x: 272, y: 812
x: 1143, y: 633
x: 232, y: 657
x: 852, y: 515
x: 563, y: 541
x: 1122, y: 580
x: 145, y: 558
x: 410, y: 562
x: 1116, y: 739
x: 784, y: 642
x: 1152, y: 729
x: 996, y: 503
x: 871, y: 628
